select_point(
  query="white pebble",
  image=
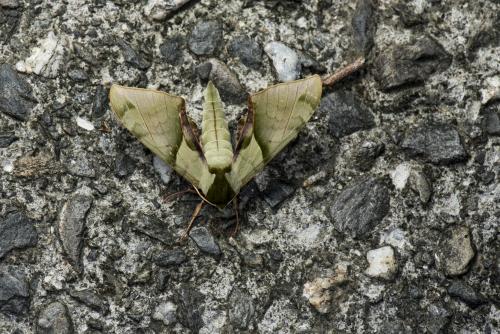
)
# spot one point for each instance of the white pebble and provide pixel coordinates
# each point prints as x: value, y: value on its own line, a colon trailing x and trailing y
x: 84, y: 124
x: 382, y: 262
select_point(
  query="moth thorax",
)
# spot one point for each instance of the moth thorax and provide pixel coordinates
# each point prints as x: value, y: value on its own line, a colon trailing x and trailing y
x: 219, y: 161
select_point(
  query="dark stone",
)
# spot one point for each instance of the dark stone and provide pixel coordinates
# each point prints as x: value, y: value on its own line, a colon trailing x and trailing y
x: 309, y: 64
x: 205, y: 38
x: 72, y: 226
x: 16, y: 98
x: 189, y: 308
x: 55, y: 319
x: 78, y: 75
x: 172, y: 50
x: 366, y: 154
x: 347, y: 114
x: 7, y: 138
x: 491, y: 119
x: 276, y: 192
x: 466, y: 293
x: 154, y: 228
x: 410, y: 64
x: 169, y: 258
x: 124, y: 165
x: 91, y: 299
x: 14, y: 292
x: 360, y: 207
x: 456, y: 252
x: 439, y: 144
x: 16, y: 231
x: 241, y: 309
x: 203, y: 71
x: 10, y: 17
x: 100, y: 103
x: 226, y: 81
x: 133, y: 57
x: 364, y: 25
x: 205, y: 241
x: 247, y: 50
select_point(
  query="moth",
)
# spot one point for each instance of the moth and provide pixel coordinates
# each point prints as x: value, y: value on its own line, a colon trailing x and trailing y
x: 208, y: 160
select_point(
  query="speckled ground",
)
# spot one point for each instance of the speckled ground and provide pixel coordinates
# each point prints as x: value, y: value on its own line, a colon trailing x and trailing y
x: 382, y: 217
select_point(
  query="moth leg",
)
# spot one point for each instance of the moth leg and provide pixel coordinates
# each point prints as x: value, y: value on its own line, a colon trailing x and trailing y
x: 344, y: 72
x: 195, y: 214
x: 170, y: 196
x: 236, y: 210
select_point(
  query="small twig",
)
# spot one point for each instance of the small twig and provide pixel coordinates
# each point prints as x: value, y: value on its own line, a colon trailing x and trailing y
x: 330, y: 80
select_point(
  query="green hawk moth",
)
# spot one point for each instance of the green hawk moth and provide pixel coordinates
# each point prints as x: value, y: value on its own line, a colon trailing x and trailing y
x: 215, y: 168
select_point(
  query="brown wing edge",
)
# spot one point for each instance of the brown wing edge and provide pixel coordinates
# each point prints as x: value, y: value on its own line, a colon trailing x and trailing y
x: 189, y: 133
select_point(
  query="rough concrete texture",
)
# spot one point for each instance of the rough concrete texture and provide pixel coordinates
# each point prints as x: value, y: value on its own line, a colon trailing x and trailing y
x: 428, y: 143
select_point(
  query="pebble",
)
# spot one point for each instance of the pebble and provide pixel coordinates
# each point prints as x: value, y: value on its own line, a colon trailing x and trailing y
x: 230, y: 89
x: 420, y: 184
x: 247, y: 50
x: 172, y: 50
x: 347, y: 114
x: 466, y: 293
x: 360, y: 207
x: 71, y: 228
x: 55, y: 319
x: 84, y: 124
x: 159, y: 10
x: 16, y: 98
x: 91, y: 299
x: 166, y: 313
x: 382, y: 263
x: 16, y: 231
x: 286, y: 62
x: 205, y: 241
x: 164, y: 170
x: 439, y: 144
x: 457, y: 252
x: 365, y: 155
x: 189, y: 309
x: 14, y: 291
x: 319, y: 291
x: 133, y: 57
x: 205, y: 38
x: 46, y: 59
x: 124, y: 165
x: 78, y: 75
x: 411, y: 63
x: 396, y: 238
x: 364, y: 25
x: 167, y: 258
x: 241, y: 308
x: 81, y: 166
x: 7, y: 138
x: 400, y: 175
x: 100, y: 102
x: 276, y: 192
x: 490, y: 119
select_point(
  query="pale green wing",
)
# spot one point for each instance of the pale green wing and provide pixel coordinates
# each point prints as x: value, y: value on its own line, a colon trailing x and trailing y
x: 159, y: 121
x: 275, y: 117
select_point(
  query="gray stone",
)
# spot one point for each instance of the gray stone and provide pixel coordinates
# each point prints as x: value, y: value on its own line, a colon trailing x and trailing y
x: 286, y: 62
x: 206, y: 38
x: 72, y: 226
x: 347, y: 114
x: 276, y: 192
x: 365, y: 154
x: 410, y: 64
x: 124, y: 165
x: 439, y: 144
x: 91, y: 299
x: 55, y: 319
x: 100, y: 102
x: 167, y: 258
x: 241, y: 309
x: 159, y: 10
x: 457, y: 252
x: 466, y: 293
x: 16, y: 98
x: 166, y: 313
x: 78, y: 75
x: 205, y: 240
x: 80, y: 166
x: 247, y: 50
x: 133, y: 57
x: 309, y: 65
x: 189, y: 308
x: 364, y: 26
x: 226, y: 81
x: 360, y: 207
x: 7, y: 138
x: 14, y: 292
x: 421, y: 185
x: 490, y: 120
x: 172, y: 50
x: 16, y: 231
x: 9, y: 3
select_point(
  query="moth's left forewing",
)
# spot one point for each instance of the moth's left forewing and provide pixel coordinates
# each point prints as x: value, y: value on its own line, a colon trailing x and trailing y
x: 280, y: 111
